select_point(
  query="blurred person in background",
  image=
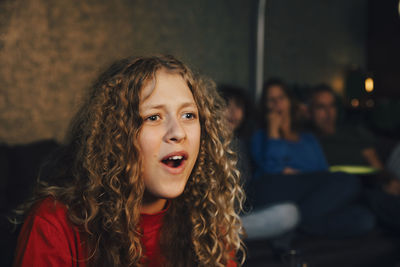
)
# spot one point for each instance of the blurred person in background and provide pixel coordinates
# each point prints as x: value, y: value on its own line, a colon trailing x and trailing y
x: 344, y: 145
x: 393, y: 163
x: 351, y: 145
x: 290, y: 166
x: 269, y: 221
x: 358, y: 144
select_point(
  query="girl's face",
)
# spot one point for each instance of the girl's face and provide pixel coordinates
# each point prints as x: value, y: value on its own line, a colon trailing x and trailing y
x: 277, y: 101
x: 169, y: 139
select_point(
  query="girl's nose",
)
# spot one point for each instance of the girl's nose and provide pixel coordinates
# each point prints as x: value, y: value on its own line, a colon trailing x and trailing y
x: 175, y: 132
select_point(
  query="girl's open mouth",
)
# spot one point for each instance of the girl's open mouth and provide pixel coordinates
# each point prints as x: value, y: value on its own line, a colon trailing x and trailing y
x: 174, y: 160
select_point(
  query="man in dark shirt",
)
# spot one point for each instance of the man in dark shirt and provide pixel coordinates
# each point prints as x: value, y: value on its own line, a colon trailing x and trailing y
x: 342, y: 145
x: 352, y: 146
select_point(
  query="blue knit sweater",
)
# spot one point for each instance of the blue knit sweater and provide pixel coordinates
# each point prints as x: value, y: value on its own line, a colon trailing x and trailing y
x: 271, y: 156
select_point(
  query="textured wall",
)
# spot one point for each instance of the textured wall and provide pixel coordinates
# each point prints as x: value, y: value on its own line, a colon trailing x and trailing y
x: 51, y: 50
x: 314, y: 41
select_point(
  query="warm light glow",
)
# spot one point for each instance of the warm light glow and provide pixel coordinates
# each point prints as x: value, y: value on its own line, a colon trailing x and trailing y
x: 355, y: 102
x: 337, y: 84
x: 399, y: 8
x: 369, y: 85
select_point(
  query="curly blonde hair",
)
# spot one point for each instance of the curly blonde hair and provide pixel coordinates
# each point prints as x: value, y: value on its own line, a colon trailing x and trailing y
x: 98, y: 175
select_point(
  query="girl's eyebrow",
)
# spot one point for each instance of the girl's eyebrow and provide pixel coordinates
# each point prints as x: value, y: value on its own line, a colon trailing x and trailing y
x: 162, y: 106
x: 188, y: 104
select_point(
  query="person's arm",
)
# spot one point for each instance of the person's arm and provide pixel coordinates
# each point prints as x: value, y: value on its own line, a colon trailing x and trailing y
x: 370, y: 155
x: 391, y: 184
x: 269, y: 155
x: 368, y: 151
x: 47, y: 239
x: 41, y: 244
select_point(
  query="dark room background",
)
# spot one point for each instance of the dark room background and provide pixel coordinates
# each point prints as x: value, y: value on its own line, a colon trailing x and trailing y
x: 50, y: 51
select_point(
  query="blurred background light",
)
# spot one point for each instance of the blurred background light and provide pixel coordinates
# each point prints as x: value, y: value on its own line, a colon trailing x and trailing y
x: 355, y: 103
x: 369, y: 84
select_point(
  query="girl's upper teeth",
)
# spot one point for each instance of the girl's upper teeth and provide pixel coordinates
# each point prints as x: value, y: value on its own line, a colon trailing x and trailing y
x: 175, y: 157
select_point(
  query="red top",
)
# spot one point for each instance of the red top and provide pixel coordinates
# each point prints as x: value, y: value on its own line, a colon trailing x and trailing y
x: 47, y: 238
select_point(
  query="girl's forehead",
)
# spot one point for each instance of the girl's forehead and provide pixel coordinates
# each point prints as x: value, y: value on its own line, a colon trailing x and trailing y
x: 168, y: 87
x: 151, y: 83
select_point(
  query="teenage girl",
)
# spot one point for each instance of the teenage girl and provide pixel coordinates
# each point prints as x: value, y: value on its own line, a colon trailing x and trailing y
x: 146, y: 177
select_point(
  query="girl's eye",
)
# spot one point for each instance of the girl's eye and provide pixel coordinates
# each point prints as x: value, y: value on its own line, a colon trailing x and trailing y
x: 153, y: 118
x: 189, y: 116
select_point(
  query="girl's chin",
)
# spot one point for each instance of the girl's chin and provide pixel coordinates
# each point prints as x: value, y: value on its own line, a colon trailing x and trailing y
x: 171, y: 195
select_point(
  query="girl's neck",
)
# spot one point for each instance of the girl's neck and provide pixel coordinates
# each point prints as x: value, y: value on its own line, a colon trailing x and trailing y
x: 152, y: 204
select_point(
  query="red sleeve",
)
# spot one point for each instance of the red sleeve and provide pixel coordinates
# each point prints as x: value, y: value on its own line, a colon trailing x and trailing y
x: 46, y: 239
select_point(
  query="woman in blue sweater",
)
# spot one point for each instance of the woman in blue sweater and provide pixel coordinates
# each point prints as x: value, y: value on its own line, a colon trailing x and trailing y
x: 290, y: 166
x: 279, y: 146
